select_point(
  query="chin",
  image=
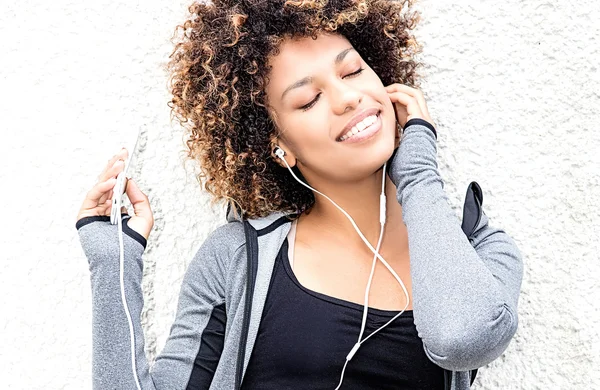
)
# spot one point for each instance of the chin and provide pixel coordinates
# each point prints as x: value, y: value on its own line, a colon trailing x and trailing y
x: 375, y: 157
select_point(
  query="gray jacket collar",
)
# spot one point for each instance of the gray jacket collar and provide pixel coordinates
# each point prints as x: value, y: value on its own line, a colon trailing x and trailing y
x: 257, y: 223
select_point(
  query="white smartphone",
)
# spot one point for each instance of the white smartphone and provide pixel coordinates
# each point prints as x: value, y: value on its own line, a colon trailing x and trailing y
x: 119, y: 188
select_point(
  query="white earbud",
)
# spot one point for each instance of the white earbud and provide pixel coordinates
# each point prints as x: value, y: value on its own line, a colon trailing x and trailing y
x: 382, y: 219
x: 279, y: 153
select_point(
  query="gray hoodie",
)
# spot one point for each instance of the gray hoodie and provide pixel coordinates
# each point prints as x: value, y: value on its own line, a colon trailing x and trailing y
x: 466, y: 279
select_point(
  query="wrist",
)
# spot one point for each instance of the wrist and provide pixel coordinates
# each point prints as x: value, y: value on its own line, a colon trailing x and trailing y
x: 422, y: 122
x: 136, y: 232
x: 416, y: 154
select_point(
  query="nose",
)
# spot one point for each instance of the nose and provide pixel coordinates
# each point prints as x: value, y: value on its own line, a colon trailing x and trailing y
x: 345, y: 97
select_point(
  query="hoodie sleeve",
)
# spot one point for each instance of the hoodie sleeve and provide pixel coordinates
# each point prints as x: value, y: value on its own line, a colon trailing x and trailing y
x: 465, y: 289
x: 200, y: 307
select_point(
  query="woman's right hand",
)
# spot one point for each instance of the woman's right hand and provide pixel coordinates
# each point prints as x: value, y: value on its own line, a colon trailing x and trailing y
x: 98, y: 201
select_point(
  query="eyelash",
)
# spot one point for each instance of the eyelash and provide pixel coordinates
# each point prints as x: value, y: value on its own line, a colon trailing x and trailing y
x: 314, y: 101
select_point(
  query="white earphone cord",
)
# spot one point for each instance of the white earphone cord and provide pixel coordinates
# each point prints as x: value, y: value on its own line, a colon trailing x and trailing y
x: 382, y: 219
x: 123, y: 300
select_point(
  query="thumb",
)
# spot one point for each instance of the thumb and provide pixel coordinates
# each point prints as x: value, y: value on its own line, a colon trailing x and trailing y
x: 139, y: 200
x: 143, y: 220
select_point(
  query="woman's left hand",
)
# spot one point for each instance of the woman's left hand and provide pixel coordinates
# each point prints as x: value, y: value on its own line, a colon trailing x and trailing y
x: 408, y: 103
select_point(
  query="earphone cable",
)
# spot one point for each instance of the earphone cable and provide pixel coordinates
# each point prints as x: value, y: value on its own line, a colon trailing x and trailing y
x: 123, y: 300
x: 382, y: 219
x: 385, y: 263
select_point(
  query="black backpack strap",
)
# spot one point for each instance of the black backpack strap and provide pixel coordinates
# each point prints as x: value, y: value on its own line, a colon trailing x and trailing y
x: 473, y: 375
x: 472, y: 209
x: 251, y: 269
x: 472, y: 212
x: 448, y: 378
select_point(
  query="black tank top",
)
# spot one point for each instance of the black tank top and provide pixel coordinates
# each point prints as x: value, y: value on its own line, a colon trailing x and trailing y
x: 304, y: 337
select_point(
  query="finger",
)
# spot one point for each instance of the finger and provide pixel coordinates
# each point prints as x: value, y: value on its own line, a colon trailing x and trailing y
x: 139, y: 200
x: 102, y: 209
x: 121, y: 155
x: 397, y: 87
x: 142, y: 221
x: 106, y: 197
x: 92, y: 198
x: 402, y: 98
x: 413, y: 110
x: 400, y: 112
x: 117, y: 168
x: 106, y: 207
x: 413, y: 92
x: 416, y: 94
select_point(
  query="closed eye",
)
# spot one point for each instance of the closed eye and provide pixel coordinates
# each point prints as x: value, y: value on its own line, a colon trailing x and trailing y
x: 314, y: 101
x: 355, y: 73
x: 311, y: 103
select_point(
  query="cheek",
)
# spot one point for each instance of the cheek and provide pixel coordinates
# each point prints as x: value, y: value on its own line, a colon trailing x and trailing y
x: 389, y: 115
x: 309, y: 129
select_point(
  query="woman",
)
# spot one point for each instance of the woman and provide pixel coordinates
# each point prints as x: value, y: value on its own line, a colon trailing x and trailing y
x: 278, y: 96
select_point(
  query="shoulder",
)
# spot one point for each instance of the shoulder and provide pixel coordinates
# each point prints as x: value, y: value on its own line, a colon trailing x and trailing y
x: 209, y: 271
x: 222, y: 243
x: 220, y: 262
x: 227, y: 240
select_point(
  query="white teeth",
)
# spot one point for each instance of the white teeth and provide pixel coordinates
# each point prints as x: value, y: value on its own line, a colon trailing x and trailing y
x: 360, y: 126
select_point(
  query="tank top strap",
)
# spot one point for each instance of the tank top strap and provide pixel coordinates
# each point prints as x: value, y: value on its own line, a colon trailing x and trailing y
x: 291, y: 241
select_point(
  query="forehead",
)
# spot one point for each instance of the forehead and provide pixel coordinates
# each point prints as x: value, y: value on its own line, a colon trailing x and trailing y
x: 298, y: 55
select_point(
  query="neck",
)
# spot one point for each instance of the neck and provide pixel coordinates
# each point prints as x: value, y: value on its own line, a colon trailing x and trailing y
x: 360, y: 199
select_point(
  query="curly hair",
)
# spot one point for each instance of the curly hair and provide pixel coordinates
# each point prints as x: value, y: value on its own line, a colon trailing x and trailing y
x: 219, y: 71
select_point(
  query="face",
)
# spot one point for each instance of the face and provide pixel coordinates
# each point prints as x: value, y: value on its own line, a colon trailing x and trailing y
x: 336, y: 120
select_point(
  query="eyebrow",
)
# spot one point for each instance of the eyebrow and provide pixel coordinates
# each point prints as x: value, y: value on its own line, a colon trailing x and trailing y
x: 307, y: 80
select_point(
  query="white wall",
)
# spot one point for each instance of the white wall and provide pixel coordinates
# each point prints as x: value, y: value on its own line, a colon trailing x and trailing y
x: 513, y: 87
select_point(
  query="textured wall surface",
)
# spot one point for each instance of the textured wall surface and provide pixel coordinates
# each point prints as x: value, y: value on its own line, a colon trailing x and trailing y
x: 512, y: 86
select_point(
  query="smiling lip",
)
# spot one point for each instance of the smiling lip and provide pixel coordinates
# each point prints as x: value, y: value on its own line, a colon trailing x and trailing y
x: 356, y: 119
x: 365, y: 134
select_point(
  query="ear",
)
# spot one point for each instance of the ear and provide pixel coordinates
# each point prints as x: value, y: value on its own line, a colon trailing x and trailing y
x: 277, y: 141
x: 289, y: 156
